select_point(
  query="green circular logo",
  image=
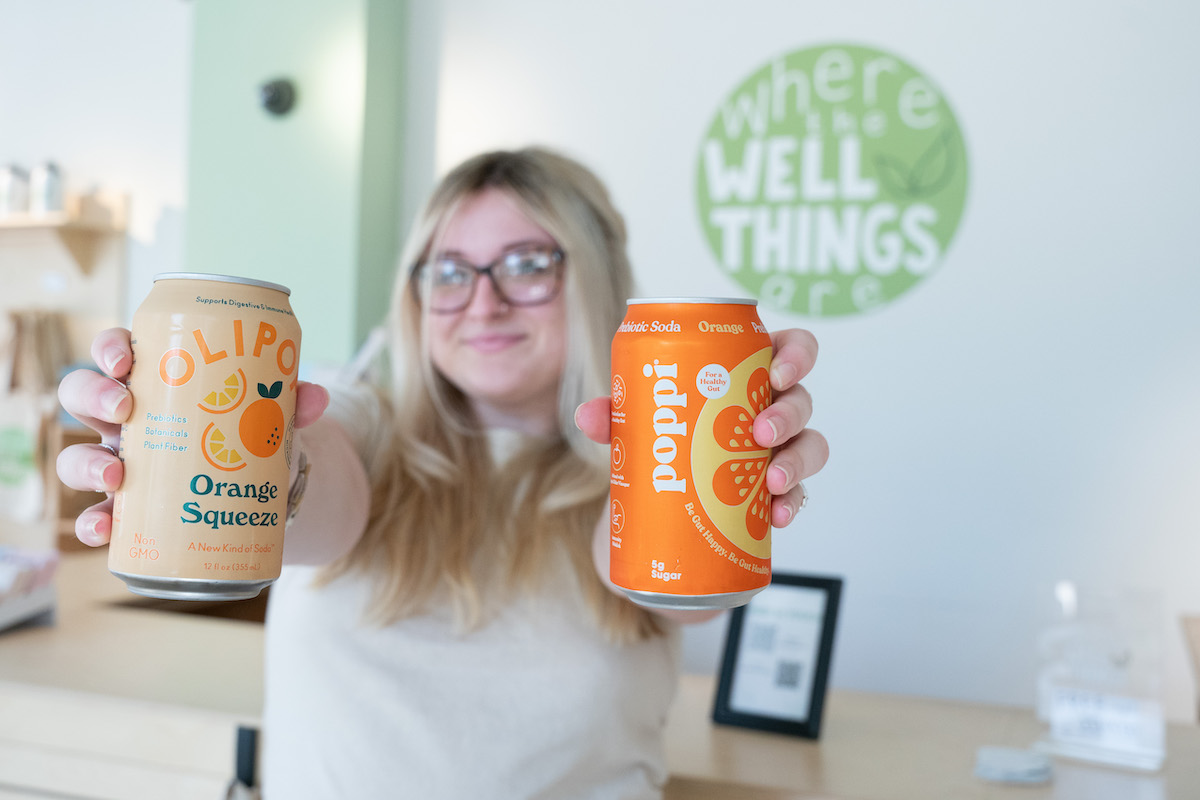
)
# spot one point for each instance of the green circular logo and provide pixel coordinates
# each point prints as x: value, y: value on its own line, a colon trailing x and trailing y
x: 832, y: 180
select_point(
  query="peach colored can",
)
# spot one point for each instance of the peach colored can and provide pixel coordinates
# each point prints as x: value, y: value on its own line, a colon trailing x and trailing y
x: 208, y: 446
x: 690, y: 522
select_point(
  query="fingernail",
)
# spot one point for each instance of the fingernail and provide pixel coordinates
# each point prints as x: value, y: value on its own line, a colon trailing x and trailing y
x: 786, y: 478
x: 98, y: 470
x: 774, y: 431
x: 783, y: 376
x: 112, y: 357
x: 788, y: 513
x: 111, y: 399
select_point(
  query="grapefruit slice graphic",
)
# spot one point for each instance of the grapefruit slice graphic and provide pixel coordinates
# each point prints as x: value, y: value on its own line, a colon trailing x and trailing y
x: 729, y: 469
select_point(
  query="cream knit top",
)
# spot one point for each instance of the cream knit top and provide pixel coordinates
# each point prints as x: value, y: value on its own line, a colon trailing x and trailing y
x: 536, y: 704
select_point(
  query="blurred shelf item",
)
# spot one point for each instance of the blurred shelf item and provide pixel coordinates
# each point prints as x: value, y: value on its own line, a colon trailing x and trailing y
x: 21, y: 608
x: 39, y: 436
x: 69, y: 265
x: 26, y: 584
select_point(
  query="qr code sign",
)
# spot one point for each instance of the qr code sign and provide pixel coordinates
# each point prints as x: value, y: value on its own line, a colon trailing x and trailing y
x: 787, y: 674
x: 761, y: 638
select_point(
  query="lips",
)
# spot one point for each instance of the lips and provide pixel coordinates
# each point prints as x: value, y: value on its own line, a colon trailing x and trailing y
x: 493, y: 342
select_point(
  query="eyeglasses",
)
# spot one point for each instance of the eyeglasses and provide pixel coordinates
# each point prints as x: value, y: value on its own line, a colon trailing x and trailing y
x: 527, y: 276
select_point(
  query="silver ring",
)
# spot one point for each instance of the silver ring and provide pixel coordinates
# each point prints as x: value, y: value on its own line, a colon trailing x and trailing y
x: 110, y: 449
x: 803, y: 496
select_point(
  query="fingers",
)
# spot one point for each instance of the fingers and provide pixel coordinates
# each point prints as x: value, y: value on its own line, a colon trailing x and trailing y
x: 112, y: 352
x: 102, y: 403
x: 799, y: 451
x: 795, y: 353
x: 802, y: 458
x: 94, y: 526
x: 594, y: 418
x: 311, y: 401
x: 785, y: 507
x: 97, y: 401
x: 90, y: 468
x: 787, y: 415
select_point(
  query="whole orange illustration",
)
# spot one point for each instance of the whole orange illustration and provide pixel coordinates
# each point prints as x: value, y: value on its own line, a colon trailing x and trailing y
x: 261, y: 427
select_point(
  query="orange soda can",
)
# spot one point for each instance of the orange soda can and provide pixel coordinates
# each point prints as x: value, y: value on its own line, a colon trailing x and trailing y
x: 690, y: 511
x: 208, y: 446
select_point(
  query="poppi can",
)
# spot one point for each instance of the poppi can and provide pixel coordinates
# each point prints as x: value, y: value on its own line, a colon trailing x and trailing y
x: 207, y: 448
x: 690, y: 511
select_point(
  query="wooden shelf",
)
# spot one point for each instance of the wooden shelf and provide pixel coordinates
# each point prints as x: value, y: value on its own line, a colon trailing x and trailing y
x: 82, y: 227
x: 95, y: 212
x: 60, y: 221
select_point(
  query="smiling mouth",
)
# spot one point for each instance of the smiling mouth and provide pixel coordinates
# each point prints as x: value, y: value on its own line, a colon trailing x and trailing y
x: 494, y: 342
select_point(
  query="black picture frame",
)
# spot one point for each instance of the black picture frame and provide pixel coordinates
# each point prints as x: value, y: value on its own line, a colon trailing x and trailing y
x: 778, y: 650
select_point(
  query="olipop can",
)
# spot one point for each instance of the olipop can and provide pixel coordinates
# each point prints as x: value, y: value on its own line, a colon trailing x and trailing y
x: 208, y: 445
x: 690, y: 511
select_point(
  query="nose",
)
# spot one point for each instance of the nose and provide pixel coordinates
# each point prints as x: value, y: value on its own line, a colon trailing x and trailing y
x: 486, y: 300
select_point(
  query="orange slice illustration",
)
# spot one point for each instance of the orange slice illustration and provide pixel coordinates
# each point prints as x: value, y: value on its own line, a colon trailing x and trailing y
x: 216, y: 452
x: 228, y: 397
x: 729, y: 469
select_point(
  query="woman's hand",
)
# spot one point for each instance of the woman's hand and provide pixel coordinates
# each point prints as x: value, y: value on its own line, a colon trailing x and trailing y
x: 102, y: 402
x: 799, y: 452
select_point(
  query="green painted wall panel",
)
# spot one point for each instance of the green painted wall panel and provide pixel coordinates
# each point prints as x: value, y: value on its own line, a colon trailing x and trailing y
x: 383, y: 126
x: 282, y: 198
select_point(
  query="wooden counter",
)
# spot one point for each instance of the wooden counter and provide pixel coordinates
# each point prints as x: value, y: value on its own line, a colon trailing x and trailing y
x: 116, y: 701
x: 890, y: 747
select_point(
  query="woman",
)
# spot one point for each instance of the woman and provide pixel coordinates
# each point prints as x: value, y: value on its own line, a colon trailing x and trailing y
x: 445, y: 627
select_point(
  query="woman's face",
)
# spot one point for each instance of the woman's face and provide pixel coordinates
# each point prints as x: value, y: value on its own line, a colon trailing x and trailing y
x: 508, y: 360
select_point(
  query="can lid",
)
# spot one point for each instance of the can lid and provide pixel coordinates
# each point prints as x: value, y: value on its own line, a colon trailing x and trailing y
x: 205, y: 276
x: 733, y: 301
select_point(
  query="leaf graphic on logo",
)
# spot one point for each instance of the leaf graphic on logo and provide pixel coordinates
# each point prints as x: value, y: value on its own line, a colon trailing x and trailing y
x: 893, y: 172
x: 927, y: 175
x: 935, y: 166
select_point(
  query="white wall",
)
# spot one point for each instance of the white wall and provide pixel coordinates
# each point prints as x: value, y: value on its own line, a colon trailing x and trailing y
x: 1026, y: 414
x: 102, y: 89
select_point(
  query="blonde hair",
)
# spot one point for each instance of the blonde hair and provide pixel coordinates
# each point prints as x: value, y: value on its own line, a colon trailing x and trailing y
x: 443, y: 516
